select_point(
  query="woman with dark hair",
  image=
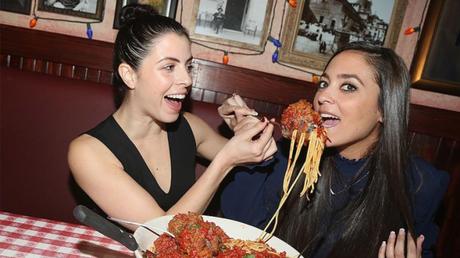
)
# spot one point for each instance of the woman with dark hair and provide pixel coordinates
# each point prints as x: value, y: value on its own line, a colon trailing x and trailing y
x: 370, y: 185
x: 139, y: 163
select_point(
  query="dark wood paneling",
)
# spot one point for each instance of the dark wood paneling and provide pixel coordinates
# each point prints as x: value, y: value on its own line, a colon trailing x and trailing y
x: 435, y: 133
x: 56, y: 47
x: 252, y: 84
x: 435, y: 122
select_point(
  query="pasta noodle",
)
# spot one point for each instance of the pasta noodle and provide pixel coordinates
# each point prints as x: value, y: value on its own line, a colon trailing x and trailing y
x: 299, y: 118
x: 250, y: 247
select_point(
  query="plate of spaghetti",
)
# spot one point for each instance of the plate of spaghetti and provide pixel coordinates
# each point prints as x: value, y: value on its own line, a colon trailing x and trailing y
x: 207, y: 236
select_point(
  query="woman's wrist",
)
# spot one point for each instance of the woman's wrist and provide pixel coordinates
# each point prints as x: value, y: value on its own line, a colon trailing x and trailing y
x: 222, y: 162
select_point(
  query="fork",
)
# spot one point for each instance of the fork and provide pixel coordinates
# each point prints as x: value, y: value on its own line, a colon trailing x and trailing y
x: 154, y: 230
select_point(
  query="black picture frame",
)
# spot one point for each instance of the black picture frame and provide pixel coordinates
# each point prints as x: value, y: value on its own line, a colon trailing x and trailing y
x: 169, y: 9
x: 92, y: 9
x: 16, y: 6
x: 436, y: 65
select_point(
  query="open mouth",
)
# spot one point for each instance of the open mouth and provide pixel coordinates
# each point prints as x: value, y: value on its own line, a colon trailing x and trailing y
x: 175, y: 97
x: 329, y: 120
x: 174, y: 101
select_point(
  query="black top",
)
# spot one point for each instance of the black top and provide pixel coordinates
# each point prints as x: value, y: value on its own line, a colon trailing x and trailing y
x: 182, y: 150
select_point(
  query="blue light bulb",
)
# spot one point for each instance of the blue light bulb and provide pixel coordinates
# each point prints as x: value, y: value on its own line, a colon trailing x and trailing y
x: 89, y: 31
x: 275, y: 56
x: 275, y: 42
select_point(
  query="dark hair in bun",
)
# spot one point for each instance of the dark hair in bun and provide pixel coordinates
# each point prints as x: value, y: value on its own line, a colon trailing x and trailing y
x: 140, y: 26
x: 132, y: 12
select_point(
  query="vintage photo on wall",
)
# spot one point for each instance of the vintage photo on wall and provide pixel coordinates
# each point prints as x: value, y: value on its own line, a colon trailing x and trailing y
x: 240, y: 23
x: 164, y: 7
x: 93, y: 9
x: 317, y: 28
x: 16, y: 6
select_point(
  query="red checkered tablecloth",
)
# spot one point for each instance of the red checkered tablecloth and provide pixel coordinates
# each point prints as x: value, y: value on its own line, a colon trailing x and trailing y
x: 24, y: 236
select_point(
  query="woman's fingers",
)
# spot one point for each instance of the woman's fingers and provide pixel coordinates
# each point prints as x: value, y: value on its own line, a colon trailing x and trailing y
x: 242, y: 112
x: 382, y: 249
x: 414, y: 248
x: 225, y: 110
x: 411, y: 246
x: 270, y: 149
x: 420, y: 245
x: 400, y: 241
x: 251, y: 127
x: 244, y: 149
x: 267, y: 132
x: 260, y: 133
x: 240, y: 102
x: 246, y: 122
x: 390, y: 251
x: 233, y: 110
x: 394, y: 247
x: 267, y: 140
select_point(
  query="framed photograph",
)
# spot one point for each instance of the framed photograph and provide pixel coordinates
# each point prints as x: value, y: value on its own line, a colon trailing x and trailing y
x: 164, y: 7
x: 317, y: 28
x: 16, y: 6
x: 93, y: 9
x: 436, y: 64
x: 239, y: 23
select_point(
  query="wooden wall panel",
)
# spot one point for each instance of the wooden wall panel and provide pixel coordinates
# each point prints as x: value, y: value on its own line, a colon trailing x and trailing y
x: 56, y: 47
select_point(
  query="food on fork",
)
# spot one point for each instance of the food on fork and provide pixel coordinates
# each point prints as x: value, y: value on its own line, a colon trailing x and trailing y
x: 300, y: 117
x: 303, y: 125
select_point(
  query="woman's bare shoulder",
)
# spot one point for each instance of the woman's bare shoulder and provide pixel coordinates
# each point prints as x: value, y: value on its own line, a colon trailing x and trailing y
x: 87, y: 143
x: 193, y: 119
x: 87, y: 151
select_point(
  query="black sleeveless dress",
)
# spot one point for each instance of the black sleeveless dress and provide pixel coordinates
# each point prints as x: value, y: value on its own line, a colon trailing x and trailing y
x: 182, y: 148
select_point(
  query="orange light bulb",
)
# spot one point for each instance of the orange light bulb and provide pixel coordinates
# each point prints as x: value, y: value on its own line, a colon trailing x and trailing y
x: 225, y: 59
x: 293, y: 3
x: 315, y: 78
x: 33, y: 22
x: 411, y: 30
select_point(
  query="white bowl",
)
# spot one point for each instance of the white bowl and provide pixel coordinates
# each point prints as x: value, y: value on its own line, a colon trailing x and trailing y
x: 232, y: 228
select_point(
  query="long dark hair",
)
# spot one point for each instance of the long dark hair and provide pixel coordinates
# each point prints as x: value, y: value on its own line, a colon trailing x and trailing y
x: 384, y: 204
x: 140, y: 26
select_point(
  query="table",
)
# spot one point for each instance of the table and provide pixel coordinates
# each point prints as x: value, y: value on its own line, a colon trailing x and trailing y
x: 24, y: 236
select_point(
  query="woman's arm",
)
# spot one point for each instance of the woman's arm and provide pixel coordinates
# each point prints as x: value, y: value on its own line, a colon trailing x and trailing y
x: 225, y: 154
x: 208, y: 141
x: 101, y: 175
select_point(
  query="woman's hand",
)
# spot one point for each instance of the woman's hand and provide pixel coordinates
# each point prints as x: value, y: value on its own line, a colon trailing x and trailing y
x: 233, y: 110
x: 395, y: 246
x: 252, y: 143
x: 244, y: 123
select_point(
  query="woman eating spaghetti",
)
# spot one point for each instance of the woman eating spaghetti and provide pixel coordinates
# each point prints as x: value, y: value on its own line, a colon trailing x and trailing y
x: 139, y: 163
x: 371, y: 193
